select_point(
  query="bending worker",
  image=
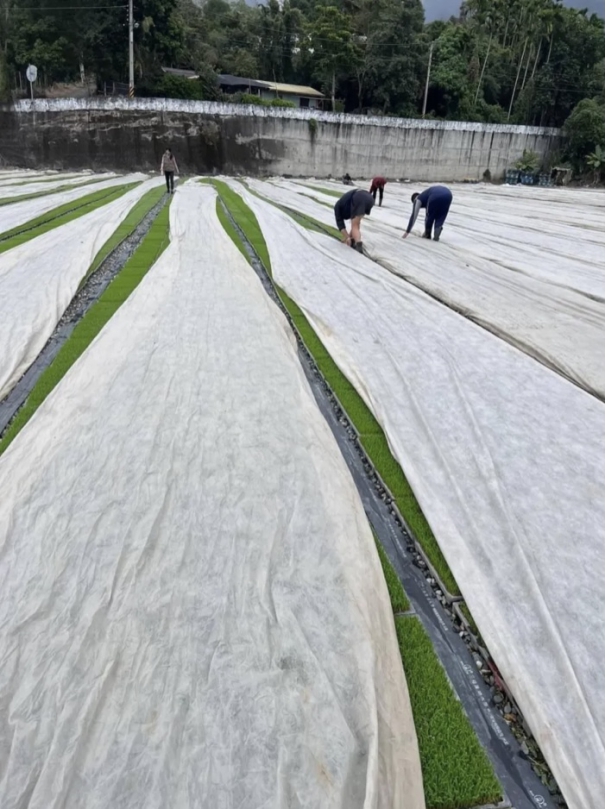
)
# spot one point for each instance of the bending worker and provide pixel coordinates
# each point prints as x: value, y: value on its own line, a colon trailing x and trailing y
x: 378, y: 184
x: 437, y: 200
x: 353, y: 205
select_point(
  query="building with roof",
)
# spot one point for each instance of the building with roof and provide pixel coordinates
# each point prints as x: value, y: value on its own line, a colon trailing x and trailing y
x: 300, y: 95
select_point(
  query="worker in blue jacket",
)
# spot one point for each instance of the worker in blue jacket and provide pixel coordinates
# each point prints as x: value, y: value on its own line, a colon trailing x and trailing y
x: 437, y: 200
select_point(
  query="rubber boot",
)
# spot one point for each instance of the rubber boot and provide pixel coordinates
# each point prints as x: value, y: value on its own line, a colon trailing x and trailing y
x: 426, y: 234
x: 359, y: 247
x: 437, y: 233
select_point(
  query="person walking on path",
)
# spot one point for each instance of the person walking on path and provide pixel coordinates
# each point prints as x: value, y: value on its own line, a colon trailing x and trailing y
x: 378, y: 184
x: 168, y: 167
x: 437, y: 200
x: 353, y: 206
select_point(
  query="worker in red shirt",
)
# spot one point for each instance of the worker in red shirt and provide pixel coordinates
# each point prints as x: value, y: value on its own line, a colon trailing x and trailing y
x: 378, y: 184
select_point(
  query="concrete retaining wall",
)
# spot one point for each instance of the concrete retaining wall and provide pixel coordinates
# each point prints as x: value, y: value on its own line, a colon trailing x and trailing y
x: 208, y: 137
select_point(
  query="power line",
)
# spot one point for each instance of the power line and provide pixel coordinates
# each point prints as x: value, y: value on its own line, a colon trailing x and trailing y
x: 66, y: 8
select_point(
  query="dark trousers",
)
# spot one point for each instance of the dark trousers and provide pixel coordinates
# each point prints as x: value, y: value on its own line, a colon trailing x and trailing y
x: 437, y: 211
x: 339, y: 216
x: 380, y: 195
x: 169, y: 175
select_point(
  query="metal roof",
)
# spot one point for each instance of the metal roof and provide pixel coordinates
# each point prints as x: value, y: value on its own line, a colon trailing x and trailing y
x: 239, y: 81
x: 294, y: 89
x: 177, y: 71
x: 226, y: 80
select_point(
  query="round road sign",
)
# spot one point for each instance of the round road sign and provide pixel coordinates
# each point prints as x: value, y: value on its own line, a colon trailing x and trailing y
x: 31, y: 73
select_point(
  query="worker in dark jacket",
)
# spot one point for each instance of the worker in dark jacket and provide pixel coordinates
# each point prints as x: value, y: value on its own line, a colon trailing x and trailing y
x: 378, y: 184
x: 437, y: 200
x: 353, y: 206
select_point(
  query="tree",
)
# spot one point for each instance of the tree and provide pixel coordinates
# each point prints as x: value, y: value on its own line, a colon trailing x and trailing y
x: 596, y: 161
x: 584, y: 131
x: 330, y: 41
x: 394, y: 55
x: 5, y: 88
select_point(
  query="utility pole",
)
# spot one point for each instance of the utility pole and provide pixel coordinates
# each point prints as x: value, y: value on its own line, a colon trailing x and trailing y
x: 130, y: 49
x: 428, y: 76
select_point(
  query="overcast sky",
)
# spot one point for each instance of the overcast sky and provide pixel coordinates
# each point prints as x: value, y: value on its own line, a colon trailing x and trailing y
x: 443, y: 9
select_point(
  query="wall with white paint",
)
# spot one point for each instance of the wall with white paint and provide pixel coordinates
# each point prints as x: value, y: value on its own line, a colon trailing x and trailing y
x: 208, y: 137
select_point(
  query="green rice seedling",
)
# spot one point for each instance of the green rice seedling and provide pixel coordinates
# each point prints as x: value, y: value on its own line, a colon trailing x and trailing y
x: 467, y: 614
x: 9, y: 200
x: 60, y: 216
x: 230, y: 230
x: 330, y: 191
x: 148, y: 252
x: 245, y: 219
x: 377, y: 449
x: 456, y: 770
x: 372, y: 436
x: 123, y: 231
x: 50, y: 180
x: 399, y: 600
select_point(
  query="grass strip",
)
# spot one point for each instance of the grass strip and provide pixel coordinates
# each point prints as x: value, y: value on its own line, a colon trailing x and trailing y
x: 371, y: 434
x: 456, y: 770
x: 60, y: 216
x: 246, y: 220
x: 24, y: 197
x: 330, y: 191
x: 467, y: 614
x: 302, y: 219
x: 33, y: 180
x: 152, y: 246
x: 399, y: 600
x: 123, y: 231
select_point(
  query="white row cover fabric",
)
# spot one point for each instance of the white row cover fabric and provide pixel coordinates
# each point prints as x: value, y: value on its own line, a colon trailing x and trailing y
x: 14, y: 191
x: 39, y: 278
x: 549, y: 304
x: 19, y: 213
x: 506, y: 460
x: 14, y: 175
x: 193, y: 612
x: 37, y: 176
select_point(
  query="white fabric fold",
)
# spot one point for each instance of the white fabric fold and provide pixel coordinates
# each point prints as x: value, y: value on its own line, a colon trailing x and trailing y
x: 506, y: 460
x: 39, y: 278
x: 193, y: 613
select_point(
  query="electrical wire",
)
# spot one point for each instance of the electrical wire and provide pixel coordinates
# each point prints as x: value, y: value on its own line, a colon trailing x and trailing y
x: 67, y: 8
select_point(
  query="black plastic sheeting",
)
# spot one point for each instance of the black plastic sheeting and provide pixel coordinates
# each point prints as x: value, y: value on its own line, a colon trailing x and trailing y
x: 522, y: 787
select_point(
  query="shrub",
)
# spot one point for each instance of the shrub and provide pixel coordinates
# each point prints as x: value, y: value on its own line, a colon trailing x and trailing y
x: 170, y: 86
x: 281, y: 102
x: 596, y: 161
x: 250, y: 98
x: 528, y: 162
x: 584, y: 130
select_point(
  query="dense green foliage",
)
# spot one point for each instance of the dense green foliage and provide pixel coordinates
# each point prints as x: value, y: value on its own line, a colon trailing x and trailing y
x: 523, y: 61
x: 585, y: 130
